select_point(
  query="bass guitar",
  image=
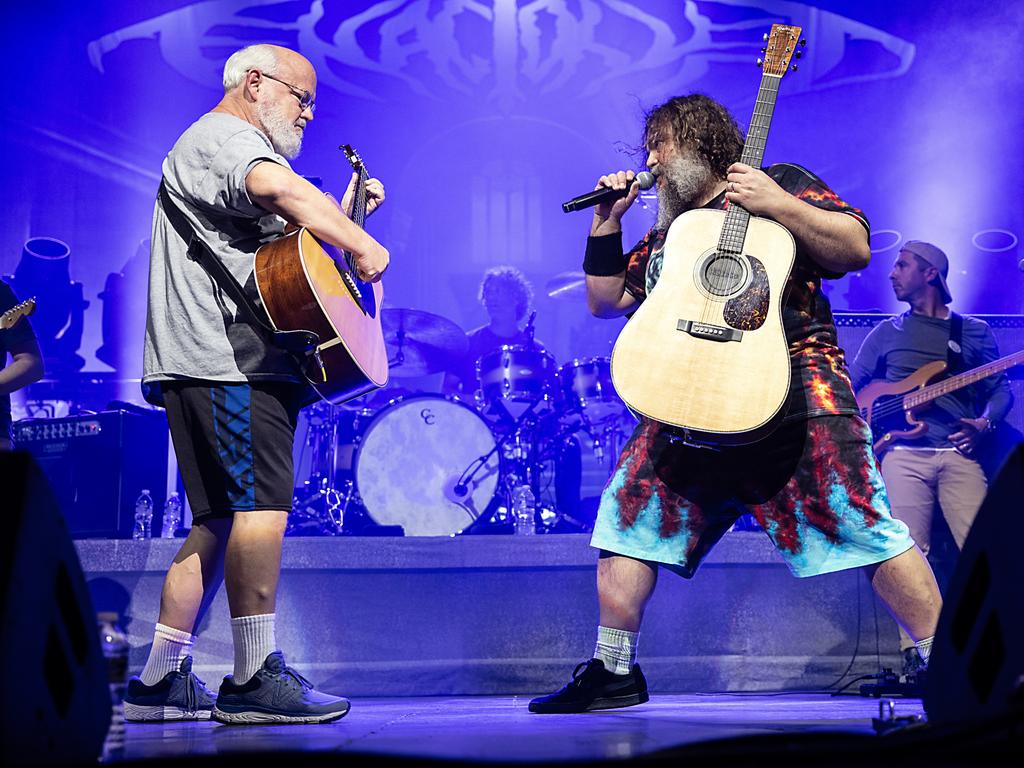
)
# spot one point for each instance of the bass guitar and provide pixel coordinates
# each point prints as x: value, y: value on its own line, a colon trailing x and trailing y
x: 892, y: 407
x: 307, y: 284
x: 706, y: 352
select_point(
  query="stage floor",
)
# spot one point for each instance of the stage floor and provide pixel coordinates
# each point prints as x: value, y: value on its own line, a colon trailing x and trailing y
x: 500, y: 729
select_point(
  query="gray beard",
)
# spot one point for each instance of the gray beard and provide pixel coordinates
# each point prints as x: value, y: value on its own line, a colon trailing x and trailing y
x: 687, y: 180
x: 286, y: 138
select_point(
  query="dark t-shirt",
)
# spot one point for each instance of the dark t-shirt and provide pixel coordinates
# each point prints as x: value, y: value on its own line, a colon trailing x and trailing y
x: 19, y: 333
x: 820, y: 384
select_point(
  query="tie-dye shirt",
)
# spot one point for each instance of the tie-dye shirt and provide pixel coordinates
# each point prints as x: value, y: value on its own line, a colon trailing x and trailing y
x: 820, y: 385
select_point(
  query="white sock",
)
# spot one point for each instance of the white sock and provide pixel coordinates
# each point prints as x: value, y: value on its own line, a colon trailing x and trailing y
x: 924, y: 647
x: 254, y: 641
x: 616, y: 648
x: 170, y: 647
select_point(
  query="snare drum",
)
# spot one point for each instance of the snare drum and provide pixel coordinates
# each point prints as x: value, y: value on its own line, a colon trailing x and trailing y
x: 518, y: 374
x: 587, y: 388
x: 415, y: 465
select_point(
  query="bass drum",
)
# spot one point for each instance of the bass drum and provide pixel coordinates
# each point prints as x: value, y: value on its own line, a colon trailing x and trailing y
x: 415, y: 465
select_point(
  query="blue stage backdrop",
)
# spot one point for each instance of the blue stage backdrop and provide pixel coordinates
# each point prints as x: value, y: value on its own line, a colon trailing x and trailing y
x: 482, y: 116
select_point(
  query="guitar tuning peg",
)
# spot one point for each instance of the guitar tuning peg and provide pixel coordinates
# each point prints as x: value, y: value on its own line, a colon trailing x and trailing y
x: 759, y: 62
x: 803, y: 42
x: 764, y: 50
x: 798, y: 54
x: 765, y: 37
x: 794, y: 67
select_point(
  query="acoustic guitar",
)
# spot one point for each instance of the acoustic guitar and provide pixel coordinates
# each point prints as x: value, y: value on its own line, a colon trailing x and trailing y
x: 892, y: 407
x: 11, y: 317
x: 307, y: 284
x: 706, y: 352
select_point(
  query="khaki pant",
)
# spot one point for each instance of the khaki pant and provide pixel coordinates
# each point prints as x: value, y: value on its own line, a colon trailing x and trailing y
x: 917, y: 479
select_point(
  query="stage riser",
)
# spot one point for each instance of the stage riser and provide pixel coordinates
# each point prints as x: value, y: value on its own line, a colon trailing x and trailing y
x: 504, y: 615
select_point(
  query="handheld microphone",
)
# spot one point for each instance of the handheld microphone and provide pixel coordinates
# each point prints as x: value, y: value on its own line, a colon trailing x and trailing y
x: 606, y: 194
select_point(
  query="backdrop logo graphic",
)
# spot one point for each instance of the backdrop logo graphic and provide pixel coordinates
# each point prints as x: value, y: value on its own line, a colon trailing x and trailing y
x: 513, y: 53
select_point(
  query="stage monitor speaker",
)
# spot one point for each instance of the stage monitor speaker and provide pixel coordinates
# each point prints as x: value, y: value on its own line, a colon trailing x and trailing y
x: 56, y: 699
x: 976, y: 670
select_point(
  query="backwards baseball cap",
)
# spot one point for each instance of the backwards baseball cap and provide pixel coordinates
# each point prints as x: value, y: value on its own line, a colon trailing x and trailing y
x: 936, y: 258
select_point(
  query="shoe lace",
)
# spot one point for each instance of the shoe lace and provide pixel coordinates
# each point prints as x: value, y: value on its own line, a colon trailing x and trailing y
x: 580, y: 671
x: 303, y: 682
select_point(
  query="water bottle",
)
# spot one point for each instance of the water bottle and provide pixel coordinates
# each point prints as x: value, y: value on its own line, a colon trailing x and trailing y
x: 115, y: 646
x: 523, y: 503
x: 143, y: 516
x: 172, y: 517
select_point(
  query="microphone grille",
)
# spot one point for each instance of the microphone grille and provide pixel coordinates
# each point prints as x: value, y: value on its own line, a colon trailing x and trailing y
x: 645, y: 179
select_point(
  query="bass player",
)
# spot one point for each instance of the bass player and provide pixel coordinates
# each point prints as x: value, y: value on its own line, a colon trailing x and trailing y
x: 939, y: 465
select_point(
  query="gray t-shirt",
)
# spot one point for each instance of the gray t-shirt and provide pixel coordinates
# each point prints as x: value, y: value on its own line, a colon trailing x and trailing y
x: 193, y: 329
x: 897, y: 347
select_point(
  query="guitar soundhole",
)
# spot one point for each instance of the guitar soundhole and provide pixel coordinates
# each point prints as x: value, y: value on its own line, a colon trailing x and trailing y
x: 723, y: 274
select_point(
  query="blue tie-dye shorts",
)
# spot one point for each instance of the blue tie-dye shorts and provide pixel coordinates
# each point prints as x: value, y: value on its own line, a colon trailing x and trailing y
x: 813, y: 485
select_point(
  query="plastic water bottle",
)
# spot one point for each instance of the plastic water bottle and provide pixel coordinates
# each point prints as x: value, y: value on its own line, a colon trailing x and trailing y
x: 115, y: 646
x: 143, y: 516
x: 172, y: 517
x: 523, y: 503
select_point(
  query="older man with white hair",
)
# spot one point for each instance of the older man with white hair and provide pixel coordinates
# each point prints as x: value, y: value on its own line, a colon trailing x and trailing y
x: 231, y: 395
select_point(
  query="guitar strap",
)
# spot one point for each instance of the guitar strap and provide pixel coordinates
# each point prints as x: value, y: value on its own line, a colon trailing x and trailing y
x: 954, y: 348
x: 299, y: 343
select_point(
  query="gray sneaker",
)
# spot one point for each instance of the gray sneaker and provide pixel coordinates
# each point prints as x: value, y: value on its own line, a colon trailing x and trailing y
x: 179, y: 696
x: 276, y: 694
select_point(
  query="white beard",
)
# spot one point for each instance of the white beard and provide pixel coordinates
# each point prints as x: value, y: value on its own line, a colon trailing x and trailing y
x: 283, y: 134
x: 687, y: 179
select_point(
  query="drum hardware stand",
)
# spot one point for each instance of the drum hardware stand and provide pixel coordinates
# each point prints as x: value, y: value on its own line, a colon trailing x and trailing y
x: 325, y: 503
x: 480, y: 462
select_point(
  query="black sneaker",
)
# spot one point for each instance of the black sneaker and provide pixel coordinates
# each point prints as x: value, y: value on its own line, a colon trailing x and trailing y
x: 594, y: 688
x: 276, y: 694
x: 178, y: 696
x: 913, y: 664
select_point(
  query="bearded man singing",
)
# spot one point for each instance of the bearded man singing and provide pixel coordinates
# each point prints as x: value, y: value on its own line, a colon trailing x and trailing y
x: 812, y: 484
x: 231, y: 395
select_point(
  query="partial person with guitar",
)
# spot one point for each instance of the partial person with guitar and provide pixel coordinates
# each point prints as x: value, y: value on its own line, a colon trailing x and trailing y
x: 934, y: 459
x: 811, y: 482
x: 232, y: 396
x: 19, y: 341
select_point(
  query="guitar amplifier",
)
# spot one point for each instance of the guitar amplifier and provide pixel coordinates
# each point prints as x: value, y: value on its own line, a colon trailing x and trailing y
x: 98, y: 464
x: 853, y: 327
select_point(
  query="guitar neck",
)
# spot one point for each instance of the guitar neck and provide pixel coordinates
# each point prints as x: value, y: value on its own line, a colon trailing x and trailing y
x: 734, y: 232
x: 359, y: 202
x: 953, y: 383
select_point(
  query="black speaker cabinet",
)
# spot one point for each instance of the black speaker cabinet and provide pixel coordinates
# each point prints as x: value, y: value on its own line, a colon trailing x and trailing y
x: 98, y: 464
x: 977, y: 665
x: 56, y: 701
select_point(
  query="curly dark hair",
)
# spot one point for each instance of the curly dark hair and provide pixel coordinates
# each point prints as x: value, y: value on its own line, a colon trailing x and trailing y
x: 511, y: 280
x: 698, y: 122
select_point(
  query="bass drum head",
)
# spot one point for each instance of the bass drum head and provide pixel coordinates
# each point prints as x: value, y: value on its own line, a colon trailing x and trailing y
x: 413, y: 455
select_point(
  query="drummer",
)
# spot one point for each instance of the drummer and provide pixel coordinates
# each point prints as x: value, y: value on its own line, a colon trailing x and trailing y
x: 507, y: 296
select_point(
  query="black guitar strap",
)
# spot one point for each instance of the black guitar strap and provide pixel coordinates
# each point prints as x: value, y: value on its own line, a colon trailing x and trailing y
x: 299, y: 343
x: 954, y: 347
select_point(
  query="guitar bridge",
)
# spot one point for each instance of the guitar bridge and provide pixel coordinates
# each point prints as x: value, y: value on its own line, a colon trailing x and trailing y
x: 350, y: 283
x: 708, y: 331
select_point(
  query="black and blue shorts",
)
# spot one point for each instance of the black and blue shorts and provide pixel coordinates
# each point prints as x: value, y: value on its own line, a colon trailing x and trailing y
x: 233, y: 443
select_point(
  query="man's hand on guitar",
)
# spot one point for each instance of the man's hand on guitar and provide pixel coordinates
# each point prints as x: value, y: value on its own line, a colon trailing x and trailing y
x: 755, y: 190
x: 374, y: 195
x: 966, y: 440
x: 607, y: 216
x: 370, y: 264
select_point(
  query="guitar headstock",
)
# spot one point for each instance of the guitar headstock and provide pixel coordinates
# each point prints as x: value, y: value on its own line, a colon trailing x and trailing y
x: 783, y: 45
x: 353, y: 158
x: 15, y: 313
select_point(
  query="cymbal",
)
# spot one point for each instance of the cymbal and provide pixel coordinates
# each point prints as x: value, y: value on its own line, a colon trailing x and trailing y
x: 567, y: 285
x: 421, y: 343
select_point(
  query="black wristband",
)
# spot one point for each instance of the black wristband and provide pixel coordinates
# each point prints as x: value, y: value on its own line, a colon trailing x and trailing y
x: 604, y: 257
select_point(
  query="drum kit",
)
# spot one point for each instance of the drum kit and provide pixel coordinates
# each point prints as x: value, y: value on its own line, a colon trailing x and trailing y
x: 406, y: 462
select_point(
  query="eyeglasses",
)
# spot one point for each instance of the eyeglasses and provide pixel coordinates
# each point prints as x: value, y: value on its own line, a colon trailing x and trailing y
x: 305, y: 97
